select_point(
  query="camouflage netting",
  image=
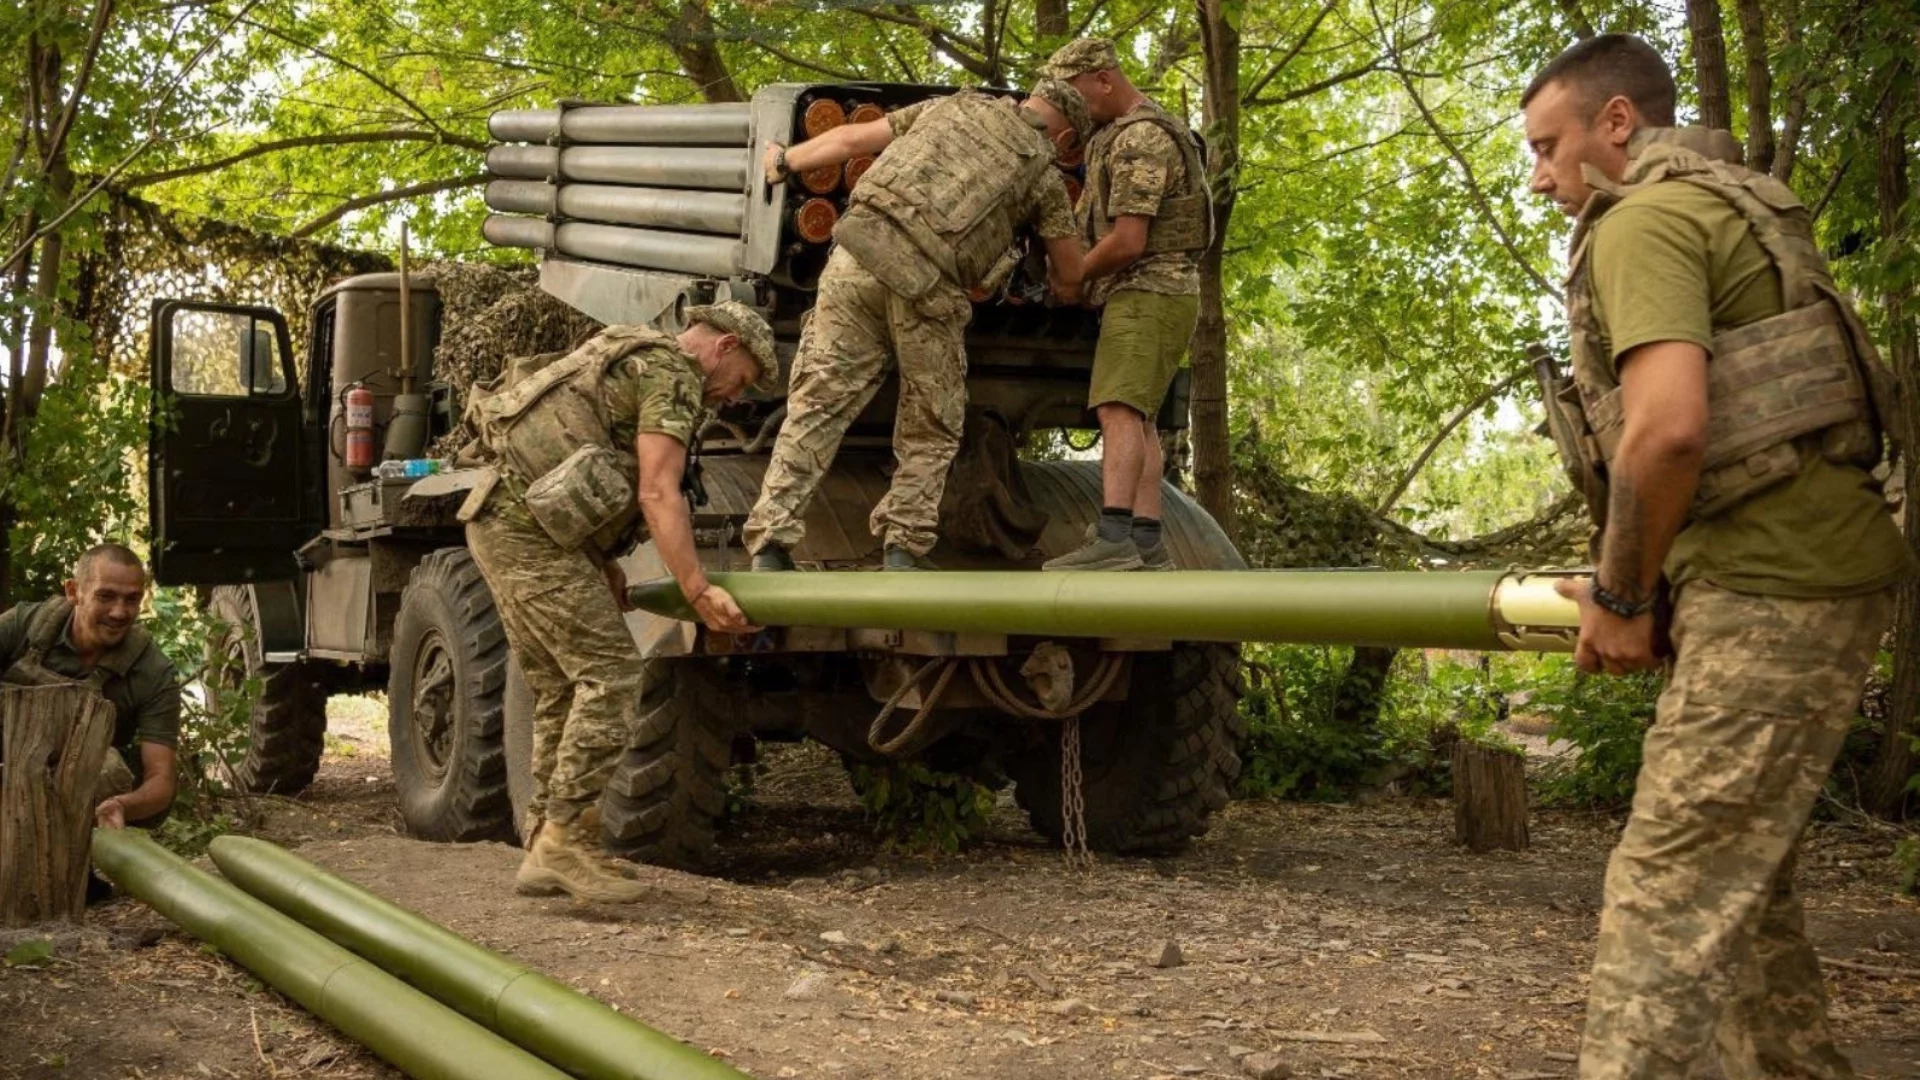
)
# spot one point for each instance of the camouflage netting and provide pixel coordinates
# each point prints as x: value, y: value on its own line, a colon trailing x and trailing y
x: 489, y: 315
x: 147, y: 253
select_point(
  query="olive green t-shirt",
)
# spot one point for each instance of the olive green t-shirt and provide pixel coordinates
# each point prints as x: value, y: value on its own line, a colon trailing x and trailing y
x: 1674, y: 262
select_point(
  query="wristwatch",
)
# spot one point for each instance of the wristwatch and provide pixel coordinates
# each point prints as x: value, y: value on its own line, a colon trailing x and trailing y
x: 1618, y: 605
x: 780, y: 163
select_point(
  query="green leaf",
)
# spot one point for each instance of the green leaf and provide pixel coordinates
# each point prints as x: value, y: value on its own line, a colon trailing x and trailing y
x: 33, y: 953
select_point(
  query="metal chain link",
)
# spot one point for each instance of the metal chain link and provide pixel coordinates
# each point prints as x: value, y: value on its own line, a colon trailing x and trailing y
x: 1073, y: 803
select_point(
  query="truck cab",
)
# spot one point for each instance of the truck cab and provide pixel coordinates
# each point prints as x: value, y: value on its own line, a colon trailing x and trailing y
x: 337, y: 580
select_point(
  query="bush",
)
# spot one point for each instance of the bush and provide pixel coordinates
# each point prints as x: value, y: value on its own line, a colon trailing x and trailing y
x: 916, y: 808
x: 1605, y: 718
x: 214, y: 728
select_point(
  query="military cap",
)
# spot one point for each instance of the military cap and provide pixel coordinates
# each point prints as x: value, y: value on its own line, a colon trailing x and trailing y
x: 1081, y: 55
x: 1069, y: 102
x: 736, y: 318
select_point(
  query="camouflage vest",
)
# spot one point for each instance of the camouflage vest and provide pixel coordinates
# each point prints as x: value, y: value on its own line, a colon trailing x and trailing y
x: 1185, y: 221
x: 1810, y: 370
x: 43, y: 633
x: 541, y: 412
x: 938, y: 205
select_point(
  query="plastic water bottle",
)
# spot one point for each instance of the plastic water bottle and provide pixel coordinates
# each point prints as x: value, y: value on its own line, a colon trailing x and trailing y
x: 390, y: 470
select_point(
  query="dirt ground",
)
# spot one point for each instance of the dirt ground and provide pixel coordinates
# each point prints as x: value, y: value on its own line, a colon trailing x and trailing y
x: 1353, y: 941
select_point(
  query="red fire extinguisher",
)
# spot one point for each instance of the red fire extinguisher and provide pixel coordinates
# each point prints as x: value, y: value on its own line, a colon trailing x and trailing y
x: 359, y: 402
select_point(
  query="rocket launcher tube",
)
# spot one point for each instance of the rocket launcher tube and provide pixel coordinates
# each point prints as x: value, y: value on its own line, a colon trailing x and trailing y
x: 421, y: 1037
x: 559, y: 1024
x: 1481, y: 610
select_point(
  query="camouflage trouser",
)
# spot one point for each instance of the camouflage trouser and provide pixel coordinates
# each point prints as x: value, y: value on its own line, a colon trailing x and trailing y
x: 1701, y: 939
x: 858, y: 330
x: 573, y: 646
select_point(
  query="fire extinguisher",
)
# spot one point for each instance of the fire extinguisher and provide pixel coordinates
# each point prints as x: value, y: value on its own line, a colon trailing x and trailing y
x: 359, y: 401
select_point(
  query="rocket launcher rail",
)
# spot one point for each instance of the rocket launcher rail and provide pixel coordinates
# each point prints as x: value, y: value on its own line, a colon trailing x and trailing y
x: 1485, y: 611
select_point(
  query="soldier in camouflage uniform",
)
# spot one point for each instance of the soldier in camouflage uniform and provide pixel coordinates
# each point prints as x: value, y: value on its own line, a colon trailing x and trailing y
x: 927, y: 222
x: 1146, y: 214
x: 1724, y: 411
x: 556, y: 430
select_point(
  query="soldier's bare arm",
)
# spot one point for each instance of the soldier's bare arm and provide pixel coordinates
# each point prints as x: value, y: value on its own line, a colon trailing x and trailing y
x: 1120, y: 248
x: 154, y: 795
x: 841, y: 144
x: 1663, y: 396
x: 1066, y: 268
x: 663, y: 460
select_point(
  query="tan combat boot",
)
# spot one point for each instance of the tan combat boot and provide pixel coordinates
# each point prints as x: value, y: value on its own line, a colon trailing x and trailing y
x: 563, y: 860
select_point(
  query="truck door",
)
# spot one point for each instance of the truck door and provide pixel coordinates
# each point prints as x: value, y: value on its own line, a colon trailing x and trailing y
x: 224, y: 457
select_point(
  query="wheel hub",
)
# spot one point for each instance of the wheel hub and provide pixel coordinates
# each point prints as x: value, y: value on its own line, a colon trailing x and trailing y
x: 433, y: 707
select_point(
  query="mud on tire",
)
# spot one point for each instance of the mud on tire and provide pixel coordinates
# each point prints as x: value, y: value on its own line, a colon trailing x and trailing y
x: 447, y: 669
x: 289, y: 719
x: 665, y: 799
x: 1156, y: 765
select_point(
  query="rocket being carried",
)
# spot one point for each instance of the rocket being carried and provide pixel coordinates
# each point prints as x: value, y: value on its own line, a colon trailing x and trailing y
x: 1486, y: 610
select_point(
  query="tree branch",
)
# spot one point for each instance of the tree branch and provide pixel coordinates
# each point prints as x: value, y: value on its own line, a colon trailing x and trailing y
x: 361, y: 202
x: 297, y: 142
x: 1576, y: 18
x: 1709, y: 62
x: 760, y: 42
x: 1293, y: 50
x: 953, y: 45
x: 102, y: 14
x: 1473, y: 187
x: 376, y: 80
x: 1446, y: 429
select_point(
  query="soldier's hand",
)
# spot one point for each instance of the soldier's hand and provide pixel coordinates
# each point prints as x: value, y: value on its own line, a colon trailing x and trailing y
x: 617, y: 581
x: 770, y: 164
x: 717, y: 608
x: 111, y: 814
x: 1608, y: 642
x: 1067, y: 295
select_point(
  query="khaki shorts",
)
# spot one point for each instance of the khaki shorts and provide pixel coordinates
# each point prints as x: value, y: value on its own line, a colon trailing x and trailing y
x: 1143, y: 341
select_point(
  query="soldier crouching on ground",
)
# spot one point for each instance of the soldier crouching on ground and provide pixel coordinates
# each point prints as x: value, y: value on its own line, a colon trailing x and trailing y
x: 927, y: 222
x: 92, y: 635
x: 1724, y: 412
x: 555, y: 429
x: 1147, y: 217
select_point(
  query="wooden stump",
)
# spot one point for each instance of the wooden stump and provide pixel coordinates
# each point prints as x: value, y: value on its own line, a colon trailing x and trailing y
x: 56, y: 738
x: 1489, y: 797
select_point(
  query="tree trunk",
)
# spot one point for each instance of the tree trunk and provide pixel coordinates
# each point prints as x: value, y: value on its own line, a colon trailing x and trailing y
x: 1049, y: 19
x: 1212, y: 461
x: 1753, y: 42
x: 1710, y: 62
x: 1794, y: 116
x: 1489, y: 797
x: 46, y: 312
x: 698, y: 49
x: 1356, y: 702
x: 1885, y: 791
x: 56, y: 738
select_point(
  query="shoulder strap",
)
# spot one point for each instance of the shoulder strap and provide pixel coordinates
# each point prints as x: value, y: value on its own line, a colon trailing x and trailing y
x: 46, y: 625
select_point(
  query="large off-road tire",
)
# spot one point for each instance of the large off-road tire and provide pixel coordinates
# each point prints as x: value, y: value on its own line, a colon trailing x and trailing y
x: 446, y: 671
x: 1155, y: 766
x: 289, y: 719
x: 665, y: 800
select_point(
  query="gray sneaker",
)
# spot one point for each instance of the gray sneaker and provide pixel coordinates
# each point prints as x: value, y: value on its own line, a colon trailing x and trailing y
x: 1157, y: 557
x: 1098, y: 554
x: 773, y: 557
x: 899, y: 558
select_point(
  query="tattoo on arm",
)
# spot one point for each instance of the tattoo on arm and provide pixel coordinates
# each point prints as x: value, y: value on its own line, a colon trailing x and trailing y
x: 1623, y: 550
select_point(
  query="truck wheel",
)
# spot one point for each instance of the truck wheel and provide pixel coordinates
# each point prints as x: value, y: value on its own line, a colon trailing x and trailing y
x: 1156, y: 765
x: 666, y: 797
x: 289, y: 718
x: 445, y: 674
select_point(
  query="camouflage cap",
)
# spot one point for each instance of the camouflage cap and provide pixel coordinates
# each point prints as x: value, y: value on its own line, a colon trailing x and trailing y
x: 1069, y: 102
x: 736, y: 318
x: 1081, y: 55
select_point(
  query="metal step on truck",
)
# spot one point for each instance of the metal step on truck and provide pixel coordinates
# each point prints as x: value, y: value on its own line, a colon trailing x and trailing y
x: 338, y: 578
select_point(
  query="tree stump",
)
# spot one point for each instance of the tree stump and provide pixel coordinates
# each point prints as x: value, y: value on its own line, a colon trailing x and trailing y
x: 56, y: 738
x: 1489, y: 797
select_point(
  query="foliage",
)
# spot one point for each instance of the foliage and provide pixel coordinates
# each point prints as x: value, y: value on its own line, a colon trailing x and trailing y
x: 919, y: 809
x: 1605, y: 718
x: 216, y: 709
x: 1906, y: 862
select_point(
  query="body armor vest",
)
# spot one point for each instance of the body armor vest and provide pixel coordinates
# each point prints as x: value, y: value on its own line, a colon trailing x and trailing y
x: 1809, y: 371
x: 938, y: 204
x: 533, y: 421
x: 1185, y: 221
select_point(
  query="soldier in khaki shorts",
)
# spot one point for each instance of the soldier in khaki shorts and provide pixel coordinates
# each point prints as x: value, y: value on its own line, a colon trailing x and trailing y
x: 1146, y: 213
x: 576, y: 442
x: 958, y: 177
x: 1723, y: 417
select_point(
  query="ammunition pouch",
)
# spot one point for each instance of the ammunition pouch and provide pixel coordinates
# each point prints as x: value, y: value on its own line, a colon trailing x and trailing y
x: 1769, y: 384
x: 586, y: 495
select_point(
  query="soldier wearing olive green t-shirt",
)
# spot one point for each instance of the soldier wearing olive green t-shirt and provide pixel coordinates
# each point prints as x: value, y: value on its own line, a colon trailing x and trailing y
x: 1147, y: 216
x: 1724, y: 415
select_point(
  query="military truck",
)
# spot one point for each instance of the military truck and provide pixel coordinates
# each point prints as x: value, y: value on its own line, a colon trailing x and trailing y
x: 334, y: 580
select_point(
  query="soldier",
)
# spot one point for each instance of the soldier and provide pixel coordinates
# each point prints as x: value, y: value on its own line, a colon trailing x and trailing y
x: 1146, y: 213
x: 92, y: 634
x: 543, y: 530
x: 928, y: 221
x: 1724, y: 411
